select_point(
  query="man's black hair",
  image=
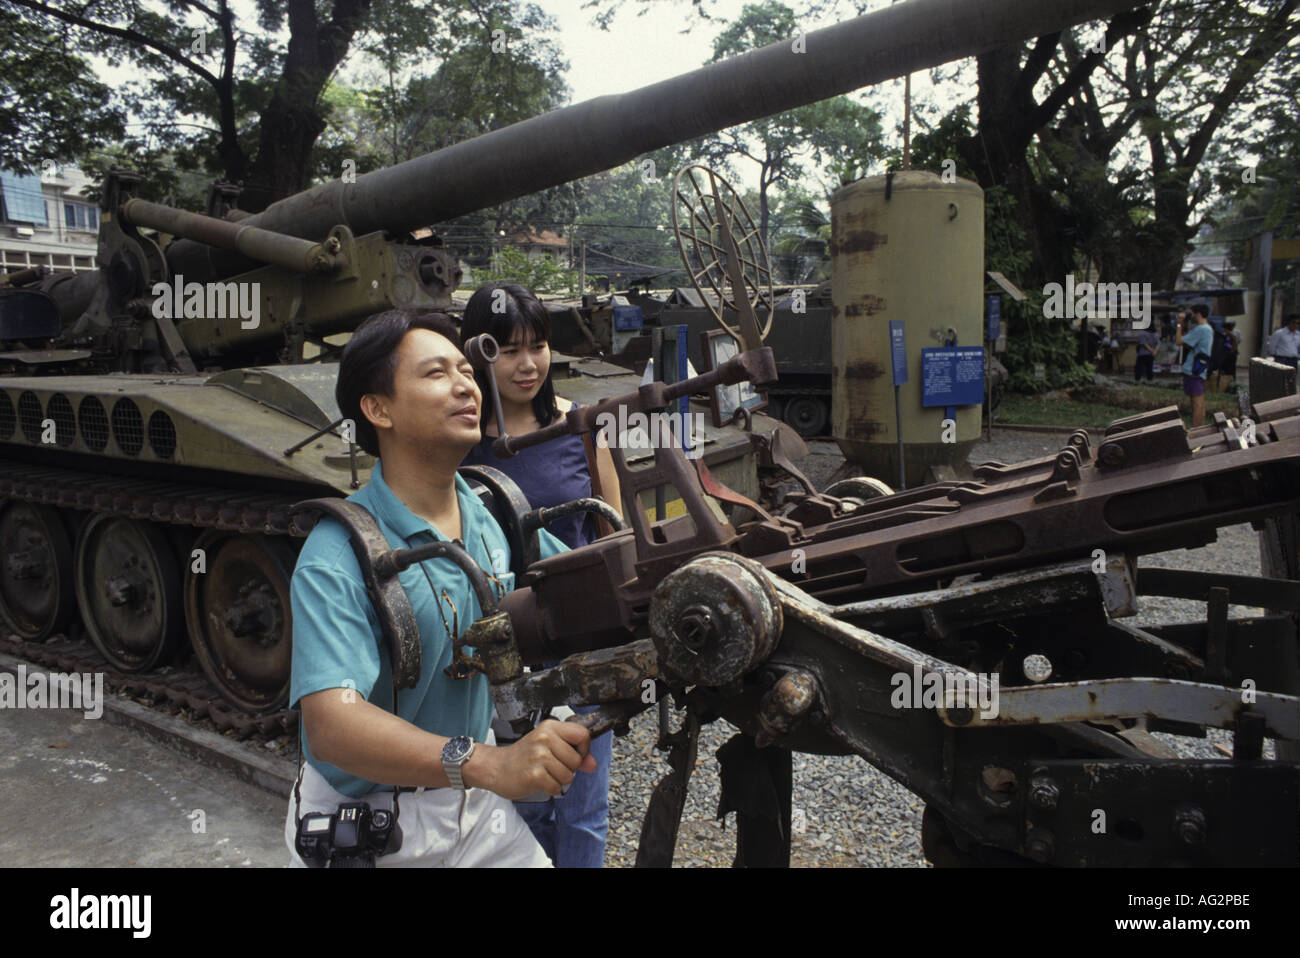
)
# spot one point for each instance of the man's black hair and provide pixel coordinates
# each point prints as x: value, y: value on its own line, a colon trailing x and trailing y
x: 369, y: 362
x: 516, y: 308
x: 1202, y: 309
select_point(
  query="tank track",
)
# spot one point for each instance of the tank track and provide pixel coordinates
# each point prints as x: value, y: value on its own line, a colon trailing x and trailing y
x: 167, y: 503
x: 181, y: 688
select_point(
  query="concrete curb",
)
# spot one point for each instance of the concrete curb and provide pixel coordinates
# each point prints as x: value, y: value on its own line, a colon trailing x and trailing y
x: 275, y: 775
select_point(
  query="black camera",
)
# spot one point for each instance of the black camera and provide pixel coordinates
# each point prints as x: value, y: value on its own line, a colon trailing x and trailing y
x: 349, y: 838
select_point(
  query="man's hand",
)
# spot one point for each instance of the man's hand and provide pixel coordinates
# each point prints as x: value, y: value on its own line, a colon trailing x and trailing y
x: 544, y: 760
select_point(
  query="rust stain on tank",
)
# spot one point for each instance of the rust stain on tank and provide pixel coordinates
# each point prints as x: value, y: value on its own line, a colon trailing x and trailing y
x: 866, y: 370
x: 856, y: 241
x: 865, y: 306
x: 858, y: 396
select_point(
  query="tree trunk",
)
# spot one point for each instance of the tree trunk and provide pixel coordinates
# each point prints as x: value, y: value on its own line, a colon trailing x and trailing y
x: 292, y: 119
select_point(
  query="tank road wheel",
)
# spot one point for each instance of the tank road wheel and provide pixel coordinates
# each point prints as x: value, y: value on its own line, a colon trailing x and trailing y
x: 36, y: 591
x: 859, y: 487
x: 806, y: 414
x: 129, y: 592
x: 239, y: 616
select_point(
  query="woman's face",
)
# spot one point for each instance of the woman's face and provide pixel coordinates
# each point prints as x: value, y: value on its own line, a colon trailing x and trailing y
x: 522, y: 367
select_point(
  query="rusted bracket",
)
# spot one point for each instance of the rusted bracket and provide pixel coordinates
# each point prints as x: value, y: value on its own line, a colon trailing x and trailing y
x: 588, y: 678
x: 1110, y: 699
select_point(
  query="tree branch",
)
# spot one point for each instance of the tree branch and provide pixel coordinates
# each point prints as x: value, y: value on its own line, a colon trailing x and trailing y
x: 122, y: 33
x: 1267, y: 42
x: 1124, y: 24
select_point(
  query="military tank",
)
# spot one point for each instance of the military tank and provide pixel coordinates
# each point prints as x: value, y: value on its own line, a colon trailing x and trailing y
x: 159, y: 415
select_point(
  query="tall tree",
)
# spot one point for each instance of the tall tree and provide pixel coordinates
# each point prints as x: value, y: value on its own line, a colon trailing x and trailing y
x: 254, y: 95
x: 838, y: 133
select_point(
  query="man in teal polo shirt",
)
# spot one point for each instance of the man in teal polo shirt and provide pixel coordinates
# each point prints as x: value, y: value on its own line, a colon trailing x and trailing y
x: 412, y: 397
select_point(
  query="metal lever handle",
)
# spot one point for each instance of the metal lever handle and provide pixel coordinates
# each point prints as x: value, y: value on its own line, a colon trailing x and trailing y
x: 610, y: 715
x: 482, y: 352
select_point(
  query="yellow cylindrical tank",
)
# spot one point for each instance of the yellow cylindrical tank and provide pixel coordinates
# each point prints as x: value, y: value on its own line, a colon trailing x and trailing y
x: 905, y: 246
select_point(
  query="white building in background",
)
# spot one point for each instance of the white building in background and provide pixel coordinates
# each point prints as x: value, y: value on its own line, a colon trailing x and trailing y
x: 47, y: 220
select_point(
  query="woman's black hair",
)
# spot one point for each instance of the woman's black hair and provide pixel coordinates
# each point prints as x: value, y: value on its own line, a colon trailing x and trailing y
x: 369, y: 362
x: 500, y: 310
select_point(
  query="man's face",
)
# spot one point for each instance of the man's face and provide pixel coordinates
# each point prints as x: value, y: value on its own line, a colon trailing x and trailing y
x: 435, y: 402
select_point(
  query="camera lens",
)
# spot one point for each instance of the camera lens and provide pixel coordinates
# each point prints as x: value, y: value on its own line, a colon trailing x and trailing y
x: 379, y: 818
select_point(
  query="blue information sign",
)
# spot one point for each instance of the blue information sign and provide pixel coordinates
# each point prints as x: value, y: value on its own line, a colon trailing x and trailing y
x: 952, y: 376
x: 993, y: 314
x: 898, y: 351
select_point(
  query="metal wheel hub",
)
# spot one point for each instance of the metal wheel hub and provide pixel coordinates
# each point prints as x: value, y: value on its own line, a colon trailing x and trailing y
x: 239, y: 617
x: 129, y: 591
x: 36, y: 596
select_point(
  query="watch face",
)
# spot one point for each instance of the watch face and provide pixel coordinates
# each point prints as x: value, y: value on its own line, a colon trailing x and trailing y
x: 457, y: 749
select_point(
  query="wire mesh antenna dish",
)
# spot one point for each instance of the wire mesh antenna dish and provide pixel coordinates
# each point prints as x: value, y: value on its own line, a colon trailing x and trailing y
x: 723, y: 252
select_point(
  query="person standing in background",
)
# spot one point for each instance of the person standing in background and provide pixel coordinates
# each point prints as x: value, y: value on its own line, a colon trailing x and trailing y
x: 1148, y: 343
x: 572, y: 827
x: 1284, y: 344
x: 1225, y: 371
x: 1195, y: 335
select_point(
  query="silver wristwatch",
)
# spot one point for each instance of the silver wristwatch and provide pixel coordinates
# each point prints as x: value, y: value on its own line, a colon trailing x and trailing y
x: 454, y: 755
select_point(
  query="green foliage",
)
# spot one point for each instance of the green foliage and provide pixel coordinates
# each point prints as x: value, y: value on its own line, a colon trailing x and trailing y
x: 541, y: 275
x: 51, y: 108
x: 840, y: 135
x: 801, y: 238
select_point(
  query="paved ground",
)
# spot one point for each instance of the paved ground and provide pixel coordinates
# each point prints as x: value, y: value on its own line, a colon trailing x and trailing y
x: 80, y: 792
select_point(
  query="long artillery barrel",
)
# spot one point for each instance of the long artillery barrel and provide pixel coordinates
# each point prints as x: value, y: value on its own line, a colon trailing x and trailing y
x: 605, y: 132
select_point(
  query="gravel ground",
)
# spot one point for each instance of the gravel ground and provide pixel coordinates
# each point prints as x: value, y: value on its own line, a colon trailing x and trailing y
x: 846, y: 812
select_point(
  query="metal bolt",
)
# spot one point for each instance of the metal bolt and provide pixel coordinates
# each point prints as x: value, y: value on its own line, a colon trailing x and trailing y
x: 1111, y: 454
x: 1037, y: 668
x: 1189, y: 823
x: 1044, y: 793
x: 695, y: 627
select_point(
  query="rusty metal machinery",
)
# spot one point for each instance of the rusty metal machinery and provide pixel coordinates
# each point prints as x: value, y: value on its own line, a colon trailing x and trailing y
x: 968, y: 639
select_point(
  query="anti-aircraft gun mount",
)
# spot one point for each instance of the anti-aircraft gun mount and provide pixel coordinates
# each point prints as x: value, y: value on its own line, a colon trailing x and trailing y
x: 966, y: 638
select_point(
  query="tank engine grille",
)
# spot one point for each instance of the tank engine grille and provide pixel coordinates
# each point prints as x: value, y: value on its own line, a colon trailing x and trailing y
x: 65, y: 421
x: 7, y: 418
x: 94, y: 423
x: 128, y: 427
x: 29, y: 416
x: 162, y: 435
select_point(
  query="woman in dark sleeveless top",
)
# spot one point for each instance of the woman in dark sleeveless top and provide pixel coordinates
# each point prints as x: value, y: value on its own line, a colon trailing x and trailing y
x: 571, y: 828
